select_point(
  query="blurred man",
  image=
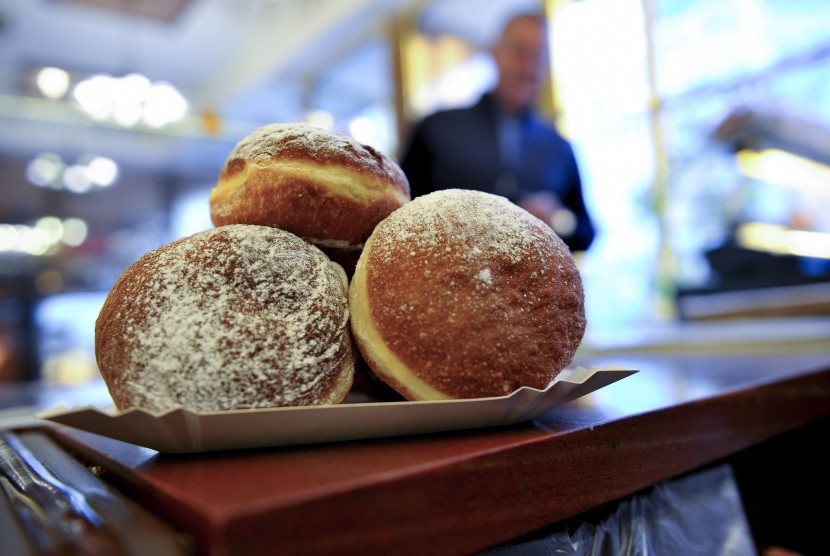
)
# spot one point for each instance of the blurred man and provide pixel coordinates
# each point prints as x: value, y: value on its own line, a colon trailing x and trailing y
x: 501, y: 146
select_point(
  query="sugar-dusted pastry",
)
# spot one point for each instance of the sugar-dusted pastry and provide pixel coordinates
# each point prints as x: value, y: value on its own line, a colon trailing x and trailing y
x: 462, y: 294
x: 236, y: 317
x: 318, y: 184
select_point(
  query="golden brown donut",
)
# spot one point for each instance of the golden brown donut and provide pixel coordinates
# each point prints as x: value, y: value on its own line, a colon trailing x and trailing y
x: 462, y: 294
x: 240, y: 316
x: 318, y: 184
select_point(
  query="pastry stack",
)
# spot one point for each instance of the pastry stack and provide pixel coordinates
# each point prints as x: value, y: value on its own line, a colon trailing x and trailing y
x: 320, y: 268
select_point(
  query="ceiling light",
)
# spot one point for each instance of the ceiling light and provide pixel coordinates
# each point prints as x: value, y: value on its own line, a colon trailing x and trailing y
x: 53, y: 82
x: 52, y: 227
x: 96, y: 95
x: 102, y: 171
x: 135, y: 86
x: 126, y: 112
x: 74, y: 232
x: 130, y: 99
x: 163, y: 105
x: 8, y: 237
x: 76, y: 179
x: 43, y: 237
x: 33, y: 241
x: 45, y: 169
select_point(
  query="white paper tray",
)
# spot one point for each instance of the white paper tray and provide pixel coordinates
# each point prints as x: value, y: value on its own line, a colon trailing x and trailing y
x: 183, y: 431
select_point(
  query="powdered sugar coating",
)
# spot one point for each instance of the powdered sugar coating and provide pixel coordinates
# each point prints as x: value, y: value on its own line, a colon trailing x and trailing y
x: 236, y: 317
x: 483, y: 224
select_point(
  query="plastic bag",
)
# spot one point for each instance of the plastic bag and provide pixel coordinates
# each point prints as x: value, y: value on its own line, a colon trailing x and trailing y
x: 697, y: 514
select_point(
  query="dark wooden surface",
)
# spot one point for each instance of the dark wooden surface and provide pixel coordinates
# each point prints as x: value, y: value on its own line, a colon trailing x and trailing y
x: 457, y: 493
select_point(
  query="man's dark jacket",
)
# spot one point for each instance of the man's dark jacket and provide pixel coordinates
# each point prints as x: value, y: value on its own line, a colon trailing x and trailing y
x: 459, y: 148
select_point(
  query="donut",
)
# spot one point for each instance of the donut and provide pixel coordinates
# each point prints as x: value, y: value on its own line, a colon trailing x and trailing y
x: 235, y: 317
x: 461, y: 294
x: 318, y: 184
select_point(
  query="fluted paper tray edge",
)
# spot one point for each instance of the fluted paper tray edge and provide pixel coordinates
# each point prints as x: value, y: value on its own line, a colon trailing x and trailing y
x: 185, y: 431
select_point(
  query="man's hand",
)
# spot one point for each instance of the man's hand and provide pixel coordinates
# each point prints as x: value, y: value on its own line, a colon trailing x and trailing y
x: 547, y: 207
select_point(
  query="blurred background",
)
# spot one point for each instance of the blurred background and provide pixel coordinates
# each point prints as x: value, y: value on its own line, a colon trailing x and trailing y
x: 702, y: 129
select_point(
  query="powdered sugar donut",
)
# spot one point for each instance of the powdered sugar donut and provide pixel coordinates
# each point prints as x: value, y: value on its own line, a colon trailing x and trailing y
x: 462, y: 294
x: 318, y: 184
x: 236, y: 317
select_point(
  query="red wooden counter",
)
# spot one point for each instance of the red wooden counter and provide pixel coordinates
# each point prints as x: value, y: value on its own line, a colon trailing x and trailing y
x: 460, y: 492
